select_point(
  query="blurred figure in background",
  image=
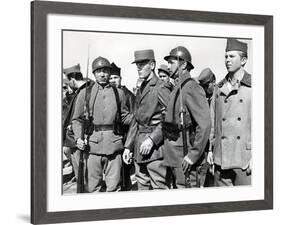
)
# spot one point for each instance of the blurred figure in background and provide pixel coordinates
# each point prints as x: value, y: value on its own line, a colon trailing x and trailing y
x: 164, y: 75
x: 207, y: 81
x: 76, y: 82
x: 116, y: 80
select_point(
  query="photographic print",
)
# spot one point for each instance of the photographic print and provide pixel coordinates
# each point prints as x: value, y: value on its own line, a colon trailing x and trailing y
x: 141, y: 112
x: 221, y: 152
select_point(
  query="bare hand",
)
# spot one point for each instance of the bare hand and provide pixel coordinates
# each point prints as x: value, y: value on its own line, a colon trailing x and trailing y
x: 81, y: 144
x: 186, y: 164
x: 146, y: 146
x: 249, y: 169
x: 127, y: 156
x: 67, y: 152
x: 210, y: 158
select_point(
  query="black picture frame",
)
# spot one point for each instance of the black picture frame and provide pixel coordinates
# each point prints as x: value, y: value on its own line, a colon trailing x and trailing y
x: 39, y: 12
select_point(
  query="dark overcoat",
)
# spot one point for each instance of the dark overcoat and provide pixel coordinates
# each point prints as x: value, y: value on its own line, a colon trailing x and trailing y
x: 151, y: 101
x: 197, y: 120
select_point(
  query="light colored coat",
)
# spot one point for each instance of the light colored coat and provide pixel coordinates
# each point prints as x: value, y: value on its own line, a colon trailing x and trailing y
x: 231, y: 132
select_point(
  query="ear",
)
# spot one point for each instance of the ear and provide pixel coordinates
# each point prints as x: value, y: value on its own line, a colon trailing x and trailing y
x: 183, y: 65
x: 152, y: 65
x: 243, y: 61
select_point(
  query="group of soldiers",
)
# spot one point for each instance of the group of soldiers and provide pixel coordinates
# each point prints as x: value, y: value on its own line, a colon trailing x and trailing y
x: 173, y: 132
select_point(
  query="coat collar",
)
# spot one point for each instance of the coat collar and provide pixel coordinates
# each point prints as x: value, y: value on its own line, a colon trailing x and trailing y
x: 246, y: 80
x: 151, y: 83
x: 184, y: 76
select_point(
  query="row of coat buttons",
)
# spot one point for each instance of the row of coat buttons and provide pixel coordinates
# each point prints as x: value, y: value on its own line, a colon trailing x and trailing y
x: 224, y: 137
x: 225, y: 101
x: 239, y: 119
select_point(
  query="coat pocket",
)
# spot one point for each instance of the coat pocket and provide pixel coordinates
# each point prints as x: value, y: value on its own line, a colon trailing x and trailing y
x: 248, y: 145
x: 95, y: 137
x: 117, y: 138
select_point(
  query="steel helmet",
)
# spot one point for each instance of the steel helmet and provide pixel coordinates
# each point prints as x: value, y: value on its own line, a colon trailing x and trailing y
x: 182, y: 53
x: 100, y: 62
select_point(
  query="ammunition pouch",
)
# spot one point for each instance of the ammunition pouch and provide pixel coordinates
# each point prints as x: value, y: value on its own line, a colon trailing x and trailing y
x: 171, y: 131
x: 118, y: 128
x: 69, y: 139
x: 88, y: 127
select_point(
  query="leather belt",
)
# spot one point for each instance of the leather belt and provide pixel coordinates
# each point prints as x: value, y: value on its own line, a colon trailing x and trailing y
x: 103, y: 127
x: 146, y: 129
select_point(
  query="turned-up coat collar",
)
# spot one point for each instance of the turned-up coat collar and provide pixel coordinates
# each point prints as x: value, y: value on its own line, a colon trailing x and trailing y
x: 246, y: 80
x: 151, y: 83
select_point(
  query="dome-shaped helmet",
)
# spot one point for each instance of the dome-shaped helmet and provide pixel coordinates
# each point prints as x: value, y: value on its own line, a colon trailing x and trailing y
x: 182, y: 53
x: 99, y: 63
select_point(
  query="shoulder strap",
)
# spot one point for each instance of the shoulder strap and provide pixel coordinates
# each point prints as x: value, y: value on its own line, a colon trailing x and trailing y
x: 177, y: 95
x: 87, y: 99
x: 118, y: 103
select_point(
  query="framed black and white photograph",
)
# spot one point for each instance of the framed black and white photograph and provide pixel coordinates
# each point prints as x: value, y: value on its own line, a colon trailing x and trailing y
x: 145, y: 112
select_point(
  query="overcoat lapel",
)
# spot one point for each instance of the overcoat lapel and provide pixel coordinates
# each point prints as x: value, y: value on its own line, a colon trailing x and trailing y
x: 148, y: 87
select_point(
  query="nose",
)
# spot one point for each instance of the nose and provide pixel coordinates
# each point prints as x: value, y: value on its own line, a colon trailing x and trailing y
x: 169, y: 67
x: 227, y: 58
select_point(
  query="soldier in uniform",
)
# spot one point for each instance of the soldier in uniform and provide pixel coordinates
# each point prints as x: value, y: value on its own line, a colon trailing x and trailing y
x: 116, y: 80
x: 207, y: 81
x: 164, y: 75
x: 106, y: 111
x: 151, y: 101
x: 66, y: 97
x: 231, y: 115
x: 76, y: 83
x: 190, y: 98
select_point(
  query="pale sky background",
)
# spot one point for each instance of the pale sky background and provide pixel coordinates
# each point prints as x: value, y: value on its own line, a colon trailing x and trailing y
x: 119, y: 48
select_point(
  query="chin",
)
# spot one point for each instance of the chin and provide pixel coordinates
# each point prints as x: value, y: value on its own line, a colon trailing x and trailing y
x: 103, y: 82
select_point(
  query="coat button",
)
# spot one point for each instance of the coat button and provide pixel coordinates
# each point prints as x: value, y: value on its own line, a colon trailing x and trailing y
x: 223, y: 119
x: 238, y: 137
x: 225, y: 101
x: 241, y: 100
x: 223, y: 137
x: 239, y: 118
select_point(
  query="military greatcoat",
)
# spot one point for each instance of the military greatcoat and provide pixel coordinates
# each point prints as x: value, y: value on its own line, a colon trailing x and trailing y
x: 197, y: 120
x: 151, y: 101
x: 231, y: 134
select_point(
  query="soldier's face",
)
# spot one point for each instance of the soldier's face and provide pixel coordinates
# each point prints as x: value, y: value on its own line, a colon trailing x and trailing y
x: 115, y: 80
x: 173, y: 67
x: 64, y: 90
x: 144, y: 68
x: 163, y: 76
x: 102, y: 75
x: 233, y: 61
x: 72, y: 84
x: 209, y: 87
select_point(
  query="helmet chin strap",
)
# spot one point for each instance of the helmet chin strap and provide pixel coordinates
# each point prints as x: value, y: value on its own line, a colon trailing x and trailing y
x: 176, y: 74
